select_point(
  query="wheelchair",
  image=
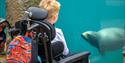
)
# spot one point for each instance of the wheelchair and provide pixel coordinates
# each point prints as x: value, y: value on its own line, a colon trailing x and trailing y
x: 42, y: 34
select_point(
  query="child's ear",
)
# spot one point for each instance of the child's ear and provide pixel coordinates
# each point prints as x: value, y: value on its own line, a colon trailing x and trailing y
x: 55, y: 17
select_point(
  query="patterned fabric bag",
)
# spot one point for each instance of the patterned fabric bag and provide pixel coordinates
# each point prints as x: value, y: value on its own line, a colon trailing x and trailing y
x: 19, y: 50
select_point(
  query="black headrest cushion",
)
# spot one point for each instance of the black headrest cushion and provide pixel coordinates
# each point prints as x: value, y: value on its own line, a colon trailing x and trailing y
x: 36, y: 13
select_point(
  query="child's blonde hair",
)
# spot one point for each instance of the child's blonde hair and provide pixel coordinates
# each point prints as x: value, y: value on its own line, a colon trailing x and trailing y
x: 52, y: 6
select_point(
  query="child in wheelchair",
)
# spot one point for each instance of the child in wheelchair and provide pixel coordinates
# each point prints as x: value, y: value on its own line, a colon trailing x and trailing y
x: 53, y: 8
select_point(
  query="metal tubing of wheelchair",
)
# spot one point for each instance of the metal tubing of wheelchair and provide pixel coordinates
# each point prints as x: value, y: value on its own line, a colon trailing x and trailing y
x: 34, y: 51
x: 47, y: 44
x: 82, y: 57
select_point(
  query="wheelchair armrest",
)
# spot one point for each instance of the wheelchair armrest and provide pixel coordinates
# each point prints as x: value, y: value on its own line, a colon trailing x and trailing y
x: 82, y: 57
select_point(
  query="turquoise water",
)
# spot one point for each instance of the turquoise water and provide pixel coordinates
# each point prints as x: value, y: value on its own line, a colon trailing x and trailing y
x: 78, y: 16
x: 2, y: 9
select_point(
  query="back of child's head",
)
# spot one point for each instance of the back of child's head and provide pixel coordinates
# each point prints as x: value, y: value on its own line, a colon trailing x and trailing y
x: 52, y: 6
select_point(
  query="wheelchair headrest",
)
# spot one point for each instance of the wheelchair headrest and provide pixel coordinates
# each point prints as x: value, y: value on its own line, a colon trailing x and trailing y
x: 36, y: 13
